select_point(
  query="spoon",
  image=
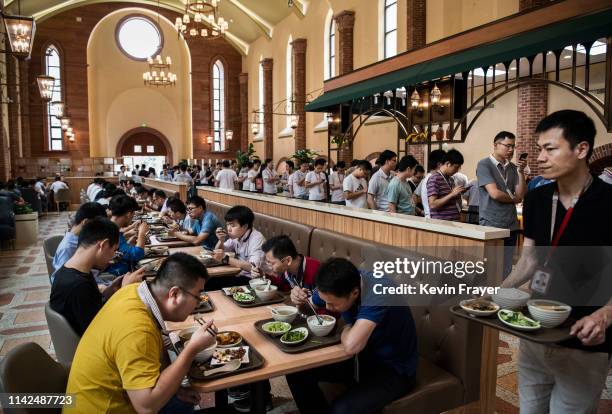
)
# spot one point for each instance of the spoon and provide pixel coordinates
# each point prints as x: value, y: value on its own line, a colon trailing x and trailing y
x: 273, y: 310
x: 268, y: 285
x: 232, y: 365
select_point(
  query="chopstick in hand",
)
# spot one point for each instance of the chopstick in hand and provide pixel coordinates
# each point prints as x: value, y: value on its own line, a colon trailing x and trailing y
x: 202, y: 322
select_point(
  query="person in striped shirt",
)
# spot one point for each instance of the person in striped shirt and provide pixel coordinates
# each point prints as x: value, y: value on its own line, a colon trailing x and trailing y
x: 442, y: 193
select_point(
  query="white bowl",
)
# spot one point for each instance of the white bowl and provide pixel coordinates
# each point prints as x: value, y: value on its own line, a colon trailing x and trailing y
x: 205, y: 354
x: 475, y: 312
x: 288, y: 313
x: 265, y: 295
x: 257, y: 282
x: 301, y: 329
x: 321, y: 330
x: 510, y: 298
x: 159, y: 249
x: 549, y: 318
x: 286, y: 327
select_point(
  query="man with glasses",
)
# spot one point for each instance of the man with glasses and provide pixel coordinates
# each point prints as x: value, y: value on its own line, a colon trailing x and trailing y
x: 200, y: 225
x: 121, y: 364
x: 501, y: 186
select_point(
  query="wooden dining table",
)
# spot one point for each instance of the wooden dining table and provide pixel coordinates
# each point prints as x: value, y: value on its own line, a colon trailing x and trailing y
x: 228, y: 316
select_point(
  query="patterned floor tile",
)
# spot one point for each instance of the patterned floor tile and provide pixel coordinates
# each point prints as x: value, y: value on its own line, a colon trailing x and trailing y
x: 43, y: 340
x: 31, y: 316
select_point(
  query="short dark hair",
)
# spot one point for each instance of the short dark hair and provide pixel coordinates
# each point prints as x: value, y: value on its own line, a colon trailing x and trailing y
x: 454, y: 157
x: 290, y: 163
x: 226, y: 163
x: 576, y: 125
x: 501, y: 135
x: 183, y: 167
x: 436, y: 158
x: 250, y: 164
x: 281, y: 247
x: 337, y: 276
x: 320, y: 161
x: 341, y: 164
x: 160, y: 193
x: 242, y: 214
x: 268, y: 161
x: 355, y: 162
x: 89, y: 210
x: 180, y: 269
x: 256, y: 161
x: 364, y: 165
x: 419, y: 169
x: 122, y: 204
x: 177, y: 206
x: 385, y: 156
x: 407, y: 161
x: 58, y: 178
x: 198, y: 201
x: 99, y: 228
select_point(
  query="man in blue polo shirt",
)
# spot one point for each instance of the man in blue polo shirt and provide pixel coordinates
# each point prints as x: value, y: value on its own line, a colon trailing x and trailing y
x: 382, y: 338
x: 200, y: 224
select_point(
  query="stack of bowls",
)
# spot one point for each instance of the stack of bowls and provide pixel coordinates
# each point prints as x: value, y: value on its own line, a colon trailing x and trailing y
x: 510, y: 298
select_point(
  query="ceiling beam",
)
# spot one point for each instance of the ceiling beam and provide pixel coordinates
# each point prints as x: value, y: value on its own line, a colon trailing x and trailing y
x: 300, y: 7
x: 264, y: 26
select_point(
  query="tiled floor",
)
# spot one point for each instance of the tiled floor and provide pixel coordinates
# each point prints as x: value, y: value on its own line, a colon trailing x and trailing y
x: 24, y: 290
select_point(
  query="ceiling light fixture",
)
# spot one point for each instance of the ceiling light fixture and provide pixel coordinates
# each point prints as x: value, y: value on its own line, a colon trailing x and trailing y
x: 45, y: 86
x: 205, y: 23
x: 159, y: 72
x: 20, y: 33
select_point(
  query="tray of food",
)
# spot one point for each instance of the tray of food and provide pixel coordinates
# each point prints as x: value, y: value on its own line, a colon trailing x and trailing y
x: 541, y: 321
x: 254, y: 298
x: 206, y: 304
x: 220, y: 358
x: 300, y: 334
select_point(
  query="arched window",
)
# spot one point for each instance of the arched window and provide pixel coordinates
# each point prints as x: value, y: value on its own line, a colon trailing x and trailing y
x: 261, y: 98
x: 54, y: 127
x: 289, y: 81
x: 218, y: 106
x: 389, y: 28
x: 329, y: 46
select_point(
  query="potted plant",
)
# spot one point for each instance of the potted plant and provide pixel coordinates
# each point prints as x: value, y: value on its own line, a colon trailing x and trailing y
x: 243, y: 157
x: 26, y: 225
x: 304, y: 156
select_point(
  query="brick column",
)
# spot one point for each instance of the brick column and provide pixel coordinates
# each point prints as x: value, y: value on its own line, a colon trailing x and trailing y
x: 267, y: 64
x: 244, y: 111
x: 416, y: 30
x: 299, y: 89
x: 13, y: 110
x: 532, y: 106
x: 24, y: 102
x: 345, y: 22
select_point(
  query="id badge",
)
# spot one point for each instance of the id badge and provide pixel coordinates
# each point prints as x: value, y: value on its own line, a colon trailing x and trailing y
x: 540, y: 282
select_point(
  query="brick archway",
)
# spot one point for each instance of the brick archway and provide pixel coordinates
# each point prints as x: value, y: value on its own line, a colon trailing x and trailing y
x: 153, y: 134
x: 601, y: 158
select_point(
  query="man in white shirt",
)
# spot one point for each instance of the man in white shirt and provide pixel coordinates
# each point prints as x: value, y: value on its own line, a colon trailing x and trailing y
x: 284, y: 178
x: 58, y: 184
x: 183, y: 177
x: 122, y: 174
x: 356, y: 187
x: 226, y: 178
x: 217, y: 169
x: 251, y: 176
x: 315, y: 181
x: 379, y: 182
x: 270, y: 177
x: 94, y: 188
x: 296, y: 183
x: 435, y: 160
x: 335, y: 184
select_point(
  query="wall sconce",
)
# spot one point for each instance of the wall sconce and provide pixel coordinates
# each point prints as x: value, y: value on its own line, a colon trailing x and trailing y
x: 65, y: 122
x: 294, y: 121
x: 255, y: 124
x: 209, y: 140
x: 415, y: 101
x: 388, y: 95
x: 45, y: 87
x: 70, y: 134
x: 330, y: 117
x: 57, y: 109
x: 435, y: 95
x: 229, y: 134
x: 20, y: 32
x: 401, y: 92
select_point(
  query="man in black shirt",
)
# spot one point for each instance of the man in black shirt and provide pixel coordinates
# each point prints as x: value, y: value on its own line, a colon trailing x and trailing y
x: 547, y: 373
x: 74, y: 293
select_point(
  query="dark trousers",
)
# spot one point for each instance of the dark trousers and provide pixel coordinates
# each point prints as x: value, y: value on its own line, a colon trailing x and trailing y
x: 379, y: 385
x: 509, y: 249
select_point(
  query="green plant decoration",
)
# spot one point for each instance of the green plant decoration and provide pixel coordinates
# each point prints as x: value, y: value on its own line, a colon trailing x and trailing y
x: 22, y: 209
x: 242, y: 158
x: 304, y: 156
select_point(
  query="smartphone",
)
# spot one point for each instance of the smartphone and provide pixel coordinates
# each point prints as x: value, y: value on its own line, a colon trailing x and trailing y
x: 523, y: 156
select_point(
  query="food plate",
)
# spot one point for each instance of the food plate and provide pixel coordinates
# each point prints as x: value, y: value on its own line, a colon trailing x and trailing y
x: 256, y: 361
x: 205, y: 305
x: 234, y: 289
x: 517, y: 320
x: 224, y: 355
x: 310, y: 343
x: 241, y: 297
x: 479, y: 307
x: 294, y: 337
x: 228, y: 339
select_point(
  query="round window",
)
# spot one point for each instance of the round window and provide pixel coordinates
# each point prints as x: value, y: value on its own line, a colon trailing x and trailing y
x: 139, y: 37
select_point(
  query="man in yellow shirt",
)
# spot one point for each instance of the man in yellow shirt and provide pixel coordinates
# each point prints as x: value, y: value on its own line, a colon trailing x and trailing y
x: 117, y: 368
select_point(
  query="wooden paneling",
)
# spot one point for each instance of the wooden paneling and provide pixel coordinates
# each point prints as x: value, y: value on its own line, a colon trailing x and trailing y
x: 488, y: 33
x: 180, y: 188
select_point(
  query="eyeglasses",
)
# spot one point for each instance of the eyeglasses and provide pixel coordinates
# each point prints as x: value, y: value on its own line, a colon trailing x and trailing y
x: 192, y: 207
x: 509, y: 146
x: 197, y: 298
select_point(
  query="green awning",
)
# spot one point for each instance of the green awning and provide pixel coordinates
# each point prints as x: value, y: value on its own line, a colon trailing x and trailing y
x: 548, y: 38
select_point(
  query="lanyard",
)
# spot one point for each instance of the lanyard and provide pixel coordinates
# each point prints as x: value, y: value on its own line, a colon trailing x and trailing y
x: 447, y: 181
x: 566, y: 218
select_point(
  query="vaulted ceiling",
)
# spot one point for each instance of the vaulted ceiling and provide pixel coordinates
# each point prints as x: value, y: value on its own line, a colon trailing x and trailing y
x: 248, y: 19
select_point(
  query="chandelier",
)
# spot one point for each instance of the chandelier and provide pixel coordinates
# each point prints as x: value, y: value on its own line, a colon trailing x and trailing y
x: 159, y: 72
x: 20, y: 33
x: 205, y: 23
x: 45, y: 86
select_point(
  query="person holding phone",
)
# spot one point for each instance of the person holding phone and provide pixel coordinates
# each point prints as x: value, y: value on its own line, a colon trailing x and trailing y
x: 501, y: 187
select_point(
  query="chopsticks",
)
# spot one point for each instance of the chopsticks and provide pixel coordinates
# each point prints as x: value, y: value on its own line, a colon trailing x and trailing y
x: 203, y: 322
x: 293, y: 283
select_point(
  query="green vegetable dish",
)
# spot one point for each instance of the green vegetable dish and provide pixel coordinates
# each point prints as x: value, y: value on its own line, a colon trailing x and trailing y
x: 293, y: 336
x: 243, y: 297
x: 517, y: 318
x: 276, y: 326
